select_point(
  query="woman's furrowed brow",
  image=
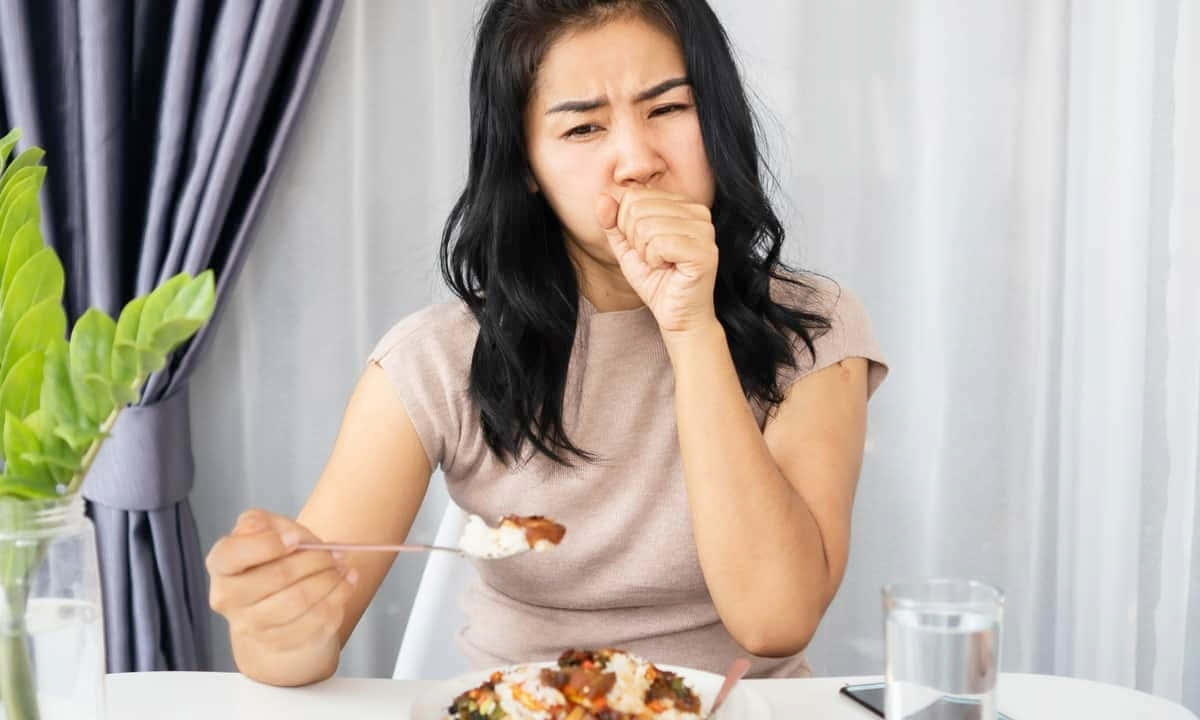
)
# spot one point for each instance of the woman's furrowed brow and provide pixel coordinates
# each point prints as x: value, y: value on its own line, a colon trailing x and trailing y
x: 582, y: 106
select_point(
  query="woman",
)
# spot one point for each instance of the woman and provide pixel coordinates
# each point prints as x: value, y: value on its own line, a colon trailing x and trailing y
x: 695, y: 418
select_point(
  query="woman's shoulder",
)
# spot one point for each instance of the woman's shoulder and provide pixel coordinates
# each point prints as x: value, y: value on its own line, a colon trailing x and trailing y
x: 442, y: 332
x: 427, y: 358
x: 849, y: 332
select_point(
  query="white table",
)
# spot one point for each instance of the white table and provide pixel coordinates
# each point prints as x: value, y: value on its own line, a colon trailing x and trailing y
x: 230, y: 696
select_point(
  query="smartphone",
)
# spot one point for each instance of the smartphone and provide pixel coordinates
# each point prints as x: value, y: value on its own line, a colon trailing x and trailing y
x: 870, y: 696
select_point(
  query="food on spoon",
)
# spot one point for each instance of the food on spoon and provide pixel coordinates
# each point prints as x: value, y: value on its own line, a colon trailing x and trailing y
x: 540, y: 532
x: 584, y: 685
x: 514, y: 535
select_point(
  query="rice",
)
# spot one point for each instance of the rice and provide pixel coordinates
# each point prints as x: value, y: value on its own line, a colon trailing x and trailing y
x: 629, y: 693
x: 528, y: 681
x: 487, y: 542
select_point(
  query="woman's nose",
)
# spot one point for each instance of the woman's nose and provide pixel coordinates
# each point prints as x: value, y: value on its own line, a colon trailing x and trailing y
x: 638, y: 161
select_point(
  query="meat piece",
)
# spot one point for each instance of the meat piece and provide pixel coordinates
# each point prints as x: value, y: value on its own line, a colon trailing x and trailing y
x: 668, y: 690
x: 582, y: 680
x: 537, y: 527
x: 585, y: 686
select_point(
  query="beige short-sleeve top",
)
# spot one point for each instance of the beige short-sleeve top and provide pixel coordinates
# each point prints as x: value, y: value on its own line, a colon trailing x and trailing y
x: 627, y: 573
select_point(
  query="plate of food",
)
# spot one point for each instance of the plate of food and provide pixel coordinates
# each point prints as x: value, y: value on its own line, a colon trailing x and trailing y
x: 606, y: 684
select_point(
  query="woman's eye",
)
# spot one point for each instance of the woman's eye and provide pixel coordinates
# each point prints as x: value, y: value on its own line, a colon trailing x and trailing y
x: 581, y: 131
x: 666, y: 109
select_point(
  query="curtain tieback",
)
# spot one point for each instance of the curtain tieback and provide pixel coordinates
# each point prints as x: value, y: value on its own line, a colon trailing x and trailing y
x: 146, y: 463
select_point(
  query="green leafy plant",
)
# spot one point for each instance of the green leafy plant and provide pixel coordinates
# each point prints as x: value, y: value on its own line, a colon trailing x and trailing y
x: 61, y: 394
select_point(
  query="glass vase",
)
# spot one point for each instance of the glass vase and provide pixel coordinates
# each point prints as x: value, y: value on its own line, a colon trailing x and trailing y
x: 51, y: 619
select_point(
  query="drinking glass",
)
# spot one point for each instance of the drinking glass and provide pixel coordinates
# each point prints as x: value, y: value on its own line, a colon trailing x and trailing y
x: 942, y: 649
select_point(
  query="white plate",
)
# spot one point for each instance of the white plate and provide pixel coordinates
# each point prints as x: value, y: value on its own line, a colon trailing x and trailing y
x: 742, y: 704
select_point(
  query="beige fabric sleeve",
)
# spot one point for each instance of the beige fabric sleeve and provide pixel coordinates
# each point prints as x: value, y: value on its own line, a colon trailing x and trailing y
x: 850, y: 335
x: 429, y: 380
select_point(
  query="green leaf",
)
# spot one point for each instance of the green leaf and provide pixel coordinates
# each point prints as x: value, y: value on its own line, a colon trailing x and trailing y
x: 61, y: 413
x: 7, y: 238
x: 92, y: 342
x: 21, y: 391
x: 19, y: 441
x: 89, y: 405
x: 17, y: 488
x: 124, y: 365
x: 79, y: 438
x: 58, y: 399
x: 169, y: 335
x: 170, y: 314
x: 17, y: 181
x: 149, y: 361
x: 67, y: 460
x: 186, y: 314
x: 40, y: 278
x: 125, y: 355
x: 195, y: 300
x: 156, y: 305
x: 22, y: 191
x: 36, y: 421
x: 7, y: 143
x: 119, y: 395
x: 31, y: 157
x: 91, y: 355
x: 21, y: 211
x: 64, y: 463
x: 129, y: 319
x: 25, y: 245
x: 35, y: 330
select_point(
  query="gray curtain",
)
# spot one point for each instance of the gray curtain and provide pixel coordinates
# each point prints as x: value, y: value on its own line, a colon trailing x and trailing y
x: 163, y: 124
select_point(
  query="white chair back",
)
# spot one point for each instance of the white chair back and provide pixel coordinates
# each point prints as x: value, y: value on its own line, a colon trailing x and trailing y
x: 428, y: 650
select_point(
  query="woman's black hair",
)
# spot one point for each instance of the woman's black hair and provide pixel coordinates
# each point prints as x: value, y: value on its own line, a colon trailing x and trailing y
x: 504, y: 254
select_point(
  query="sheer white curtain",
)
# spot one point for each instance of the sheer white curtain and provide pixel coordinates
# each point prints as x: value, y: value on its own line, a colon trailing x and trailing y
x: 347, y: 246
x: 1012, y: 188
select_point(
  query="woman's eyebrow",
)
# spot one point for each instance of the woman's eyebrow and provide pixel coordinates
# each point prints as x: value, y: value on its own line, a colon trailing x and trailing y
x: 582, y: 106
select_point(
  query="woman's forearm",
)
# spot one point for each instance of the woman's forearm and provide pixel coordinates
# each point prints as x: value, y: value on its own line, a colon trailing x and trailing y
x: 759, y: 545
x: 301, y: 665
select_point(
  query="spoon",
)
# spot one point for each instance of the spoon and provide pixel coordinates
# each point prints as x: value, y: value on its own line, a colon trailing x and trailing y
x: 356, y: 547
x: 408, y: 547
x: 736, y: 670
x: 478, y: 540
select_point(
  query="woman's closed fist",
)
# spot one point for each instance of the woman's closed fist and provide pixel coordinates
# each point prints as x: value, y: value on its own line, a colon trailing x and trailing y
x: 281, y: 597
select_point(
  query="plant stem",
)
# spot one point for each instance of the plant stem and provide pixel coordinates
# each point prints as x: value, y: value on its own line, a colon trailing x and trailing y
x: 18, y: 686
x: 16, y: 672
x: 16, y: 679
x: 90, y: 456
x: 106, y: 427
